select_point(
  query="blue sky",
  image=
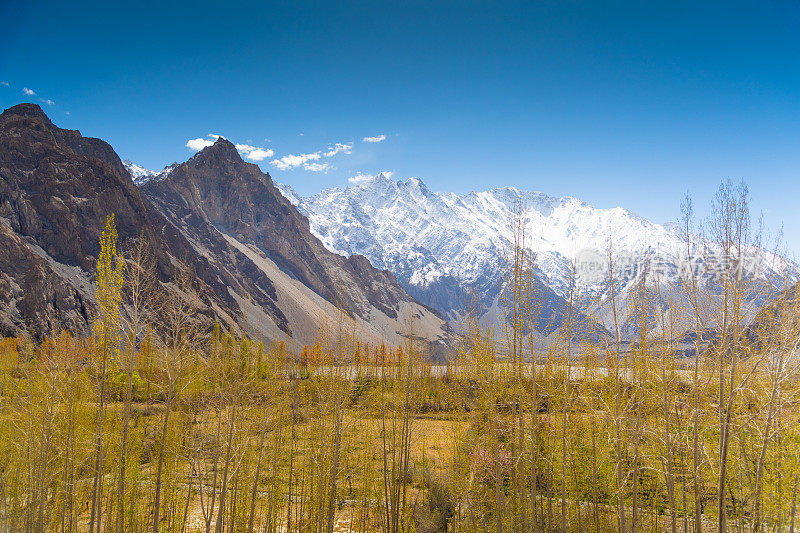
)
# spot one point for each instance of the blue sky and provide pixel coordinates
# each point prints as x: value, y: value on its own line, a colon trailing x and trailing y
x: 617, y: 103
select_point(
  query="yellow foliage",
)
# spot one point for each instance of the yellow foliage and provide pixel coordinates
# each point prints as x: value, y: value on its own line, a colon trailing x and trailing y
x: 109, y: 291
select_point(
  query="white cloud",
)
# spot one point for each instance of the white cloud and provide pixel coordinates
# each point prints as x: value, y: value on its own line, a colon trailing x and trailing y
x: 199, y: 143
x: 291, y: 161
x: 30, y: 92
x: 5, y: 83
x: 376, y: 139
x: 339, y: 147
x: 67, y: 112
x: 259, y: 154
x: 317, y: 167
x: 246, y: 148
x: 359, y: 178
x: 253, y: 153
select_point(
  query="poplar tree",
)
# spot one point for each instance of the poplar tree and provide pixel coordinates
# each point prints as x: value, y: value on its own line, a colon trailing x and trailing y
x: 108, y: 290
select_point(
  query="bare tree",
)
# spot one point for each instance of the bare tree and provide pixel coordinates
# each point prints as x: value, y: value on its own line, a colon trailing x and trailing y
x: 138, y: 299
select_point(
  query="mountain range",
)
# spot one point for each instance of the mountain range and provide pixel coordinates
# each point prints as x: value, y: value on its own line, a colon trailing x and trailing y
x: 392, y: 257
x: 444, y: 247
x: 255, y: 265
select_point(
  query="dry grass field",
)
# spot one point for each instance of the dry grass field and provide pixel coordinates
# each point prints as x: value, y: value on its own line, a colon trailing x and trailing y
x: 147, y: 426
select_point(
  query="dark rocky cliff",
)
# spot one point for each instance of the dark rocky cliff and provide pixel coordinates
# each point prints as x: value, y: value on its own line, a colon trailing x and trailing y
x: 215, y: 216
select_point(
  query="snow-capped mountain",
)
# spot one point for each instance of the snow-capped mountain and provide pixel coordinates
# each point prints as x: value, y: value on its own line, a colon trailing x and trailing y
x: 444, y: 247
x: 142, y: 175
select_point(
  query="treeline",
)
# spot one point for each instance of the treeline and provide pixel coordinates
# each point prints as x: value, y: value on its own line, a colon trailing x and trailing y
x: 155, y: 425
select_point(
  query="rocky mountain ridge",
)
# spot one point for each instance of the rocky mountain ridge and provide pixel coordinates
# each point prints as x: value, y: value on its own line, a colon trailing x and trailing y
x: 255, y: 265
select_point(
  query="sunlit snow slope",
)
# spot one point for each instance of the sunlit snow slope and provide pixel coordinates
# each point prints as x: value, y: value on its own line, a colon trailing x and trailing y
x: 443, y: 247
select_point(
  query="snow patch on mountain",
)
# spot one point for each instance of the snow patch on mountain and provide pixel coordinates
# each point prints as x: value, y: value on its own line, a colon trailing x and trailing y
x: 289, y: 194
x: 142, y: 175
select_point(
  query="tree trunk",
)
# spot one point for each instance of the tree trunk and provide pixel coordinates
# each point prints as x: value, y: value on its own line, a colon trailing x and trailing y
x: 160, y: 467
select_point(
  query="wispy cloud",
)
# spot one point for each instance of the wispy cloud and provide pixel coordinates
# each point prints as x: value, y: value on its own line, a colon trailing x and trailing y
x: 339, y: 147
x: 359, y: 178
x: 376, y: 139
x: 291, y: 161
x: 311, y: 161
x: 30, y: 92
x: 317, y: 167
x: 363, y: 178
x: 5, y: 84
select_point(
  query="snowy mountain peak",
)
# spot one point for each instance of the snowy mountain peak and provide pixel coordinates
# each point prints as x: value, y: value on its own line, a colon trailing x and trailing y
x: 137, y: 171
x: 142, y: 175
x: 378, y: 180
x: 442, y: 246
